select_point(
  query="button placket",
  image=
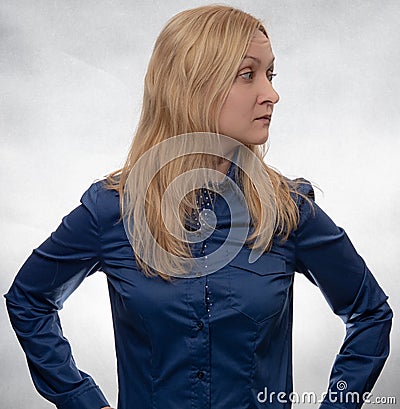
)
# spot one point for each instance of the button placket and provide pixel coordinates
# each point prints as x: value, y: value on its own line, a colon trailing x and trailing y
x: 201, y: 341
x: 208, y: 300
x: 200, y: 344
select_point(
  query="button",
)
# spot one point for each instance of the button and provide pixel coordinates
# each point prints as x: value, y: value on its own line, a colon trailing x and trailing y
x: 200, y: 325
x: 200, y: 374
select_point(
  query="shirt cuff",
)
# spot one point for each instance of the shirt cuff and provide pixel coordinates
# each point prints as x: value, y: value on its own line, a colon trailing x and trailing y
x: 90, y: 398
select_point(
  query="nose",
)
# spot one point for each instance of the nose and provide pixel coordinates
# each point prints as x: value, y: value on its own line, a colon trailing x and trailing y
x: 267, y: 92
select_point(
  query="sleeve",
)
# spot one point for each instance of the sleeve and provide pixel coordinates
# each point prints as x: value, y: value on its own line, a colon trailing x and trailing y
x: 51, y: 273
x: 325, y: 253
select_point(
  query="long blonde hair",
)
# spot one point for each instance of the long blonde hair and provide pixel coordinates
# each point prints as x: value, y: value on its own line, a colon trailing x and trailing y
x: 192, y: 68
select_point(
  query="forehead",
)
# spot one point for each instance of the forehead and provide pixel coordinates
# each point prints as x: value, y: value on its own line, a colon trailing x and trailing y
x: 259, y: 39
x: 260, y: 47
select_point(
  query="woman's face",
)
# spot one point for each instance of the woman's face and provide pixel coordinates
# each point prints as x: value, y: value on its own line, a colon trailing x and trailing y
x: 246, y: 113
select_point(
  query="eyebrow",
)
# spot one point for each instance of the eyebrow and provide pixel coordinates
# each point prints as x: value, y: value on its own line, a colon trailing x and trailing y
x: 257, y: 60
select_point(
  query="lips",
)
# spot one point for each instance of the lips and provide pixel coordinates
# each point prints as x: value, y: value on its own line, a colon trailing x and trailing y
x: 265, y: 117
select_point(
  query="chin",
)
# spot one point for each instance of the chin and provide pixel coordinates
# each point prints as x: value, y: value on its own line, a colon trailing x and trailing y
x: 258, y: 141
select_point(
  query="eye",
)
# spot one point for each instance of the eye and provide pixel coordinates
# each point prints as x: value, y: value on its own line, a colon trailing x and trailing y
x: 271, y: 75
x: 247, y: 75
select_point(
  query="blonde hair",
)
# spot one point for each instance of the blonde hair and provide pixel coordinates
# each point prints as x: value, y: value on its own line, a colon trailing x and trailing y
x: 192, y: 68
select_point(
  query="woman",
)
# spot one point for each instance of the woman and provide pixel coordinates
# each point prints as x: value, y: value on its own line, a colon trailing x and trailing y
x: 200, y: 267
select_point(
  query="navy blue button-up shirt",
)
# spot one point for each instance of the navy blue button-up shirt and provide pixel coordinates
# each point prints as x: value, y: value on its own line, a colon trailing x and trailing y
x: 214, y: 341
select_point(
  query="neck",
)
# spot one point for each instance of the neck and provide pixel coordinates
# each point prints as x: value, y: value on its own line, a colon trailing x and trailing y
x: 223, y: 166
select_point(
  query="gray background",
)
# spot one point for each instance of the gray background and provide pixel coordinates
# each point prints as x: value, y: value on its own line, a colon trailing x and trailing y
x: 71, y: 85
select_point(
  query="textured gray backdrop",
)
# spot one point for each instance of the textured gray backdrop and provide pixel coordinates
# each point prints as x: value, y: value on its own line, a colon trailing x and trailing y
x: 71, y: 80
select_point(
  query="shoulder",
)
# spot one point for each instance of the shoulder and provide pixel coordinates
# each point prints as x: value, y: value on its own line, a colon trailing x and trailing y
x: 300, y: 187
x: 103, y: 202
x: 302, y: 193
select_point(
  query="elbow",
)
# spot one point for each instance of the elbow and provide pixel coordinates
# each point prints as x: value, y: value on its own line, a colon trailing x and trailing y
x: 24, y: 311
x: 372, y: 328
x: 381, y: 314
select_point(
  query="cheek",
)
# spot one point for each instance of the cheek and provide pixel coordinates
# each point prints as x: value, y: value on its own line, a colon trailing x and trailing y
x: 237, y: 106
x: 227, y: 115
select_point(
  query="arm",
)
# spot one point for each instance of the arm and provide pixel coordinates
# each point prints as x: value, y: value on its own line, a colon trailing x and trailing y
x: 324, y: 251
x: 52, y: 272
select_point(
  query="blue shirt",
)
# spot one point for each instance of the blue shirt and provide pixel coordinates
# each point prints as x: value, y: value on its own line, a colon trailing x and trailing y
x: 214, y: 341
